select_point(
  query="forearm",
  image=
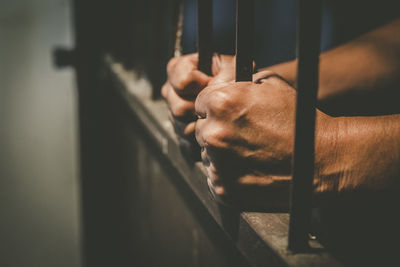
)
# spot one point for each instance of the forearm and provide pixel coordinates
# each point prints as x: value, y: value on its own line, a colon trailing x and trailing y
x: 366, y: 66
x: 359, y: 154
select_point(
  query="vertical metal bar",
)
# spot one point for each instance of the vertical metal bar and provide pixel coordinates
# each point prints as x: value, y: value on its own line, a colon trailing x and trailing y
x: 205, y: 32
x: 158, y: 27
x: 244, y: 40
x: 308, y: 48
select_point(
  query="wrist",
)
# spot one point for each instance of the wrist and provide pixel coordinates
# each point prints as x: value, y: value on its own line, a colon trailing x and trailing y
x: 327, y: 168
x: 357, y: 154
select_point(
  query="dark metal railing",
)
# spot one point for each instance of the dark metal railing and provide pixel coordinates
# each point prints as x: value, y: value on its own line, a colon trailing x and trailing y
x: 308, y: 48
x: 244, y: 40
x: 205, y: 34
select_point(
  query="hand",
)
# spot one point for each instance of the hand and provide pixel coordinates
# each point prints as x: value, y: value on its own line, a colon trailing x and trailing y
x: 246, y: 132
x: 181, y: 89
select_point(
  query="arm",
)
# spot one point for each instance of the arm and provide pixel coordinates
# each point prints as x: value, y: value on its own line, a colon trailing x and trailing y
x: 365, y: 70
x: 363, y: 155
x: 246, y: 132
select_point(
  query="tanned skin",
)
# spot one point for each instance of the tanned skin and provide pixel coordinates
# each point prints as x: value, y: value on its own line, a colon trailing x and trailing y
x: 246, y: 130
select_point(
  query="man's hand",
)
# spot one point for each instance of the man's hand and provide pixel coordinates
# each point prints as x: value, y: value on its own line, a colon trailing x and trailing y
x: 246, y: 132
x: 181, y: 89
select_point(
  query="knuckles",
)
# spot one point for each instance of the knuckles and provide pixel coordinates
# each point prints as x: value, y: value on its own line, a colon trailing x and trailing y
x: 215, y: 136
x: 182, y: 110
x: 181, y: 73
x: 171, y: 64
x: 186, y: 80
x: 164, y: 90
x: 220, y: 102
x: 215, y: 139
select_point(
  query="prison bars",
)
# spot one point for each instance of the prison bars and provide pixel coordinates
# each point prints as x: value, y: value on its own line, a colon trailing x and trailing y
x: 204, y: 35
x: 244, y: 40
x: 308, y: 48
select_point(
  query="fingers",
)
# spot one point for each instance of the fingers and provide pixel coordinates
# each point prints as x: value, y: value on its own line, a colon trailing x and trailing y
x: 190, y: 60
x: 212, y: 173
x: 183, y: 85
x: 190, y: 128
x: 207, y: 133
x: 203, y: 100
x: 223, y: 68
x: 200, y: 123
x: 184, y: 77
x: 181, y: 109
x: 218, y: 99
x: 229, y: 150
x: 215, y: 185
x: 216, y: 152
x: 181, y: 115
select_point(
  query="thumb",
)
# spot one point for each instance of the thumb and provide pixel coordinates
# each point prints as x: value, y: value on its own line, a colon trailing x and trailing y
x: 223, y: 68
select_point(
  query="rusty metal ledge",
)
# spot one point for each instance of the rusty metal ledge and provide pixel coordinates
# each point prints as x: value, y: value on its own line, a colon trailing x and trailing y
x: 261, y: 237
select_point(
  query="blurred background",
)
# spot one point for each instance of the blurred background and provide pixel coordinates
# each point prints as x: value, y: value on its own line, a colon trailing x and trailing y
x: 39, y: 212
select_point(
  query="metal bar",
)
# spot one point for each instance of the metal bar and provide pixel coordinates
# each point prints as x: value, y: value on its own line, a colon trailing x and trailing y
x: 158, y: 27
x: 205, y: 32
x: 308, y: 48
x: 244, y: 40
